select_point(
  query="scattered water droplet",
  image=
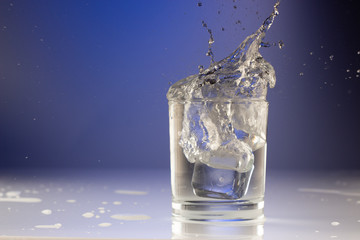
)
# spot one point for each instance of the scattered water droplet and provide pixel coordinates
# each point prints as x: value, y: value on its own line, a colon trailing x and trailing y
x: 331, y: 57
x: 104, y: 224
x: 55, y: 226
x: 117, y: 203
x: 13, y: 194
x: 358, y: 71
x: 301, y: 74
x: 71, y: 201
x: 358, y: 52
x: 88, y: 215
x: 130, y: 217
x: 130, y: 192
x: 347, y: 70
x: 46, y: 211
x: 311, y: 53
x: 335, y: 224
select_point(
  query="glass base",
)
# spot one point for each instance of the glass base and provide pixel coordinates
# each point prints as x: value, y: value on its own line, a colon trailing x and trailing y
x: 218, y: 211
x: 245, y: 230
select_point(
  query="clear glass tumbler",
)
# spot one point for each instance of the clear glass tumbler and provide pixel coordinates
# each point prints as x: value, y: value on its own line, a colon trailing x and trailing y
x: 214, y: 188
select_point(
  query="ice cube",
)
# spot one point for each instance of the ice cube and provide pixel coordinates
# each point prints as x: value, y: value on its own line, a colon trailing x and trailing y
x: 249, y: 122
x: 234, y: 155
x: 219, y: 183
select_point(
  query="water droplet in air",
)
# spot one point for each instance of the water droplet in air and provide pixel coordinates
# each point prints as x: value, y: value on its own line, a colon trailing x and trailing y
x: 331, y: 57
x: 358, y: 52
x: 358, y: 71
x: 311, y: 53
x: 265, y: 44
x: 347, y: 70
x: 211, y: 41
x: 281, y: 44
x: 201, y: 68
x: 301, y: 74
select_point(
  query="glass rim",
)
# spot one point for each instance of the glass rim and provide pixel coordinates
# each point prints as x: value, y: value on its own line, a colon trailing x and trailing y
x: 219, y: 101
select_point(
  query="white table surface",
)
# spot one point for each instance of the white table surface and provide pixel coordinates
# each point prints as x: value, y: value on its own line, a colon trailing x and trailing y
x: 133, y: 204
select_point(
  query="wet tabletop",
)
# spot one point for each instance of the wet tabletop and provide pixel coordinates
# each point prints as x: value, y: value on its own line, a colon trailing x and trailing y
x: 123, y: 204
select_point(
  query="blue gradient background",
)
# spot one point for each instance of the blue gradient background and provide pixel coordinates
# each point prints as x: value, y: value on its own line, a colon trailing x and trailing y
x: 83, y: 83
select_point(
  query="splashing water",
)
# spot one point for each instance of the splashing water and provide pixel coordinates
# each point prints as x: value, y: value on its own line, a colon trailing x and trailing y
x: 225, y: 115
x: 211, y: 42
x: 243, y: 74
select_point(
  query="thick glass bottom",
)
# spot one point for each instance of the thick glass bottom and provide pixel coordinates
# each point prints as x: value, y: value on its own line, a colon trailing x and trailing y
x: 218, y: 211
